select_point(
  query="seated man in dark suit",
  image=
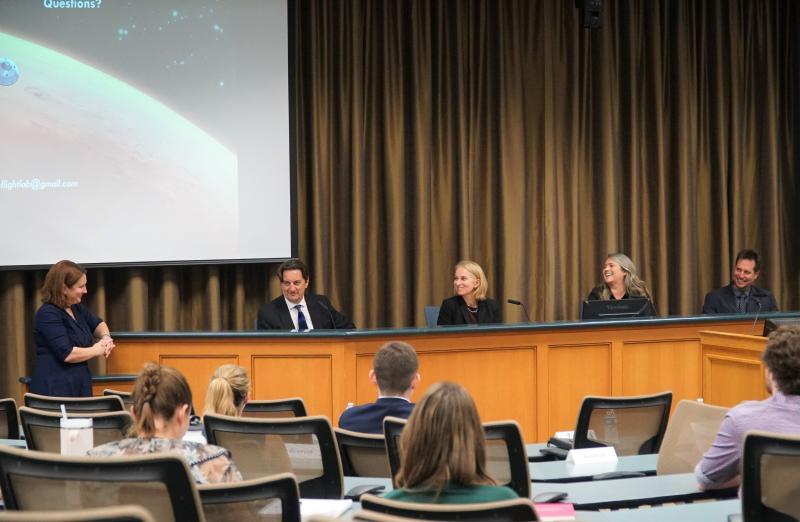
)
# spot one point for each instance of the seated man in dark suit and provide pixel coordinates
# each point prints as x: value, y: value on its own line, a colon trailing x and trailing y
x: 297, y: 310
x: 394, y: 372
x: 741, y: 296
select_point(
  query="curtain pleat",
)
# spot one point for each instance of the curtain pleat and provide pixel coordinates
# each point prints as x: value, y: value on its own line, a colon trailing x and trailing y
x: 428, y: 131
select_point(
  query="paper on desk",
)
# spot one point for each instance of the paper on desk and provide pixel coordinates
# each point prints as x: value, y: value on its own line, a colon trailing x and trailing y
x: 321, y: 506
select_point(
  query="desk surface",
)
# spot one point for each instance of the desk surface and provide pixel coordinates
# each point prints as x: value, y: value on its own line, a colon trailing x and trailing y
x: 17, y: 443
x: 562, y: 471
x: 614, y: 494
x: 632, y: 492
x: 712, y: 511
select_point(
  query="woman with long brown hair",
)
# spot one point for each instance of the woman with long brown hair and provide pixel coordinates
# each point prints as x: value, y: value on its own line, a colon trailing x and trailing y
x: 444, y: 452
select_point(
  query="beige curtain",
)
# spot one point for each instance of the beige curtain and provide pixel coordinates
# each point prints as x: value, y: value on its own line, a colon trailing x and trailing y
x: 430, y: 131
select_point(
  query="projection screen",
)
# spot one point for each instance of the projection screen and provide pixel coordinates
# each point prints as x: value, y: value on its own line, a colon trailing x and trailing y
x: 144, y: 131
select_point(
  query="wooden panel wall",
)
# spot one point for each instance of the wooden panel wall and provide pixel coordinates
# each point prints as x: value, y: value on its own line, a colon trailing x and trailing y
x: 537, y: 376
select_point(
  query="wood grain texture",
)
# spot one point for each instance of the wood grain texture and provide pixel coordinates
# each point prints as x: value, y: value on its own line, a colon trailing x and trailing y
x: 536, y: 376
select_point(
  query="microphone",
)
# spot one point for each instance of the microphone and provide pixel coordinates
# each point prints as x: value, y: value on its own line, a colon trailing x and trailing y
x: 524, y: 308
x: 330, y: 314
x: 758, y: 302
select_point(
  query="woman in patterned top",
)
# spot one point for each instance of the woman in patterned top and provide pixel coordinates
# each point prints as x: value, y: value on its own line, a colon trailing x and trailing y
x: 161, y: 399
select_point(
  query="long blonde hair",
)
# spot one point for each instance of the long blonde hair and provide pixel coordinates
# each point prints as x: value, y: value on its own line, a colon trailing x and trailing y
x: 228, y: 390
x: 475, y: 269
x: 158, y: 392
x: 443, y: 442
x: 634, y: 286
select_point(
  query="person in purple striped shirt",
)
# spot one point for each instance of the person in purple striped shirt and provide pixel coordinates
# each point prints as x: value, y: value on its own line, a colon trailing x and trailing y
x: 721, y: 465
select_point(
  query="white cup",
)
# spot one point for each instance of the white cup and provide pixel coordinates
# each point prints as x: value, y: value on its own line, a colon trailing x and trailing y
x: 77, y: 436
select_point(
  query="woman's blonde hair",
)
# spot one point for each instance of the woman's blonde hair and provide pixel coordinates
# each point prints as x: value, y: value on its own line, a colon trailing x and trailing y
x: 634, y: 286
x: 477, y: 272
x: 228, y: 390
x: 158, y: 392
x: 443, y: 442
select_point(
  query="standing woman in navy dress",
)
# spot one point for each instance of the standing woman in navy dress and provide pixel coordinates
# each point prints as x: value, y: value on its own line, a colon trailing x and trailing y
x: 67, y: 335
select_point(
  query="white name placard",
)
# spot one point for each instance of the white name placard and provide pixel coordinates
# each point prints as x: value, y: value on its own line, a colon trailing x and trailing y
x: 592, y: 456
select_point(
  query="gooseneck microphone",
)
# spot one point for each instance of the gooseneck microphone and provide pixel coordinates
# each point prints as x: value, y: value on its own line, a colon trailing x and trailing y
x: 330, y: 314
x: 758, y: 302
x: 524, y: 308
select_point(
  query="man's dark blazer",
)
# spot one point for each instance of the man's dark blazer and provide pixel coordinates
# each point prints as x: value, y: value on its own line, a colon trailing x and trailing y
x: 454, y: 311
x: 275, y: 315
x: 723, y: 301
x: 368, y: 418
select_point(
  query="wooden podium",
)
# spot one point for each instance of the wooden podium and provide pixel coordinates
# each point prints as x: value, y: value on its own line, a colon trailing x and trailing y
x: 732, y: 368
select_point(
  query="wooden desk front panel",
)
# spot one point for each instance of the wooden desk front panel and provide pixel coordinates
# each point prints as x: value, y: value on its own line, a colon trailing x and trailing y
x: 537, y: 376
x: 732, y: 368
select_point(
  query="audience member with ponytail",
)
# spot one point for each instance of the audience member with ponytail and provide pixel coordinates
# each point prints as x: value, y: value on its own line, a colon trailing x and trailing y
x: 228, y: 391
x: 161, y: 405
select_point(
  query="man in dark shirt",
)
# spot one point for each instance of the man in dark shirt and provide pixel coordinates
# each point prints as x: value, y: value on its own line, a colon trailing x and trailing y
x: 741, y: 296
x: 394, y: 372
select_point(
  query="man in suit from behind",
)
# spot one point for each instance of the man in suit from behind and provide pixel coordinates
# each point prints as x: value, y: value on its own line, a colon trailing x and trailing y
x: 741, y: 296
x: 395, y: 373
x: 298, y: 310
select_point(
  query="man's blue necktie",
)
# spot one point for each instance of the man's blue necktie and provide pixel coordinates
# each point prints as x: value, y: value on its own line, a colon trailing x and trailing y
x: 302, y: 325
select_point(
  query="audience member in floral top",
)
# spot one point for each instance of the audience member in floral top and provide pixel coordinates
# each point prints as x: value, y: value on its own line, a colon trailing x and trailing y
x: 161, y: 405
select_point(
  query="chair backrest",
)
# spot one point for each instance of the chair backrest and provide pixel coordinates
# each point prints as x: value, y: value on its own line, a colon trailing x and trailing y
x: 770, y: 479
x: 74, y: 404
x: 129, y: 513
x: 506, y: 458
x: 268, y: 498
x: 275, y: 409
x: 632, y: 425
x: 392, y: 429
x: 9, y: 422
x: 431, y: 316
x: 503, y: 510
x: 362, y: 454
x: 691, y: 430
x: 127, y: 397
x: 43, y: 428
x: 34, y: 480
x: 305, y: 446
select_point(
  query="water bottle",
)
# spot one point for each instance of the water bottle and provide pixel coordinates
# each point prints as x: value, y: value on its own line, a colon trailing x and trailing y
x: 611, y: 434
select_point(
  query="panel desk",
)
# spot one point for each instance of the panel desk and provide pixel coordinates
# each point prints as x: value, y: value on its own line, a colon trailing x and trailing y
x: 561, y: 471
x: 607, y: 494
x: 534, y: 373
x: 711, y: 511
x: 632, y: 492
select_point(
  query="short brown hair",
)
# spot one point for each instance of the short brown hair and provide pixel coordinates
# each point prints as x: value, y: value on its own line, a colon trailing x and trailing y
x: 292, y: 264
x: 158, y: 392
x: 443, y: 442
x: 64, y: 273
x: 782, y: 358
x: 395, y: 366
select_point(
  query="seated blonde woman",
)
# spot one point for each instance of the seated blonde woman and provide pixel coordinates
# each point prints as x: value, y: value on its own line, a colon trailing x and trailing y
x: 228, y: 391
x: 444, y: 452
x: 161, y: 404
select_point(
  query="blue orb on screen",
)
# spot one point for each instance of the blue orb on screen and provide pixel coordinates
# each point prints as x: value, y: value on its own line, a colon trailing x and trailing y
x: 9, y: 73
